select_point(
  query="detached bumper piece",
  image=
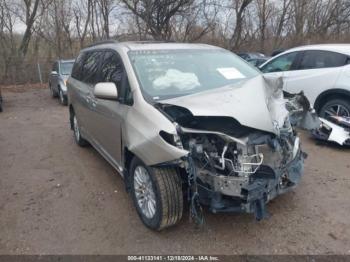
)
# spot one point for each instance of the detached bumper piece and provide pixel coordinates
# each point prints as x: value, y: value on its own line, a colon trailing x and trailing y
x: 337, y: 131
x: 255, y: 195
x: 342, y: 121
x: 264, y: 185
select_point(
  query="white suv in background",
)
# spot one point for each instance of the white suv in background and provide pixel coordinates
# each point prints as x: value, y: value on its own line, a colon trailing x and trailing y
x: 322, y: 72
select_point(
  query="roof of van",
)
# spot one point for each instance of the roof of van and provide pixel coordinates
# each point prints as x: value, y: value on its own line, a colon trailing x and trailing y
x: 149, y: 45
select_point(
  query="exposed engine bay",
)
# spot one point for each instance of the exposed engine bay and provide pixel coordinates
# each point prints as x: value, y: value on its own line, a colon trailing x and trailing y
x: 236, y: 168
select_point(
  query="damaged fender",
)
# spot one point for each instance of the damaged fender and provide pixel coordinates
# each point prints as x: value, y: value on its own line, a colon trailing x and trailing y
x: 301, y: 114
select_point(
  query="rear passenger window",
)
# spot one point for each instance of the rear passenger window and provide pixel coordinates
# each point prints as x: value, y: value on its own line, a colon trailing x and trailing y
x: 87, y: 67
x: 315, y: 59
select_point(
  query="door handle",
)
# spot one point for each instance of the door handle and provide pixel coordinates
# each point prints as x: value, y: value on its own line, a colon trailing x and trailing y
x: 92, y: 101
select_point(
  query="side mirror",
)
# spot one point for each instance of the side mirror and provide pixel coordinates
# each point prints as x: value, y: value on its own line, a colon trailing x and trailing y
x: 106, y: 90
x: 54, y: 73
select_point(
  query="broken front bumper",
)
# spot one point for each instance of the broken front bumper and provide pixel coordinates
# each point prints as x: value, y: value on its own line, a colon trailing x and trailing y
x: 262, y: 186
x: 329, y: 131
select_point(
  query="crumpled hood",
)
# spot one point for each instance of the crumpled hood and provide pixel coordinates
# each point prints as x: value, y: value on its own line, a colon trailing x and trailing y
x: 249, y: 102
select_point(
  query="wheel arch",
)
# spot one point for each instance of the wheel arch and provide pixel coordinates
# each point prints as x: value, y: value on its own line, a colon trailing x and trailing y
x: 71, y: 116
x: 329, y: 94
x: 127, y: 158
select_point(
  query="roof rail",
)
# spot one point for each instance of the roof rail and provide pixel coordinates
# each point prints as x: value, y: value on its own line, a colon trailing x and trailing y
x: 111, y: 41
x: 152, y: 41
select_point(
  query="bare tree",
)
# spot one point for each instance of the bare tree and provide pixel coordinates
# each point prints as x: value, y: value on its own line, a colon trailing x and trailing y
x: 280, y: 16
x: 198, y: 20
x: 300, y: 12
x: 59, y: 28
x: 106, y: 7
x: 264, y: 11
x: 7, y: 38
x: 158, y: 14
x: 31, y: 8
x: 82, y: 11
x: 239, y: 7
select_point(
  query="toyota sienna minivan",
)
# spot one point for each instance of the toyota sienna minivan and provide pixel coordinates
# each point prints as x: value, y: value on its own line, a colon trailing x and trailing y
x: 187, y: 124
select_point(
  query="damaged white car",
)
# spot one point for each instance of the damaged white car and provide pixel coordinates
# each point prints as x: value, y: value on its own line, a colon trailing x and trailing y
x: 188, y: 124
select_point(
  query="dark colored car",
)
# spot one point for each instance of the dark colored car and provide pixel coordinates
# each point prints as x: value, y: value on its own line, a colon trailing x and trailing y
x: 277, y: 52
x: 258, y: 61
x: 250, y: 55
x: 61, y: 70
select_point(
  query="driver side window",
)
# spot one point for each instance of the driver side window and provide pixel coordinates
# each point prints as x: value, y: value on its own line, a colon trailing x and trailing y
x: 280, y: 64
x: 112, y: 70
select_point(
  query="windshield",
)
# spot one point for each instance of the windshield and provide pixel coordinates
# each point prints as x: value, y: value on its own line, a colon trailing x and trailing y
x: 66, y: 68
x: 164, y: 74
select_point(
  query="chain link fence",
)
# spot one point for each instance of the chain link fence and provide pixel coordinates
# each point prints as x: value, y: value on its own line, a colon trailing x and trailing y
x: 16, y: 73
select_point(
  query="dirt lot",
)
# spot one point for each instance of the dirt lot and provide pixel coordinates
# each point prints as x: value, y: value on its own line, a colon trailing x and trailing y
x: 57, y: 198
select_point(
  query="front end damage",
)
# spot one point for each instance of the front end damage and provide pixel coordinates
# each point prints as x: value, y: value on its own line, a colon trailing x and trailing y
x: 231, y: 167
x: 242, y: 177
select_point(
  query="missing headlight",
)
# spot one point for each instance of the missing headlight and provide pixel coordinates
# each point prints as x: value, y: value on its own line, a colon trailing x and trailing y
x: 172, y: 139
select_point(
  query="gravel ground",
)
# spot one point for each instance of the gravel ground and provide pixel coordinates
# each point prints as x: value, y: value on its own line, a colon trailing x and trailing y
x: 58, y: 198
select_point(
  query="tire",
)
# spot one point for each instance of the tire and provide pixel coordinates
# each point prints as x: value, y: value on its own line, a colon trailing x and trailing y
x: 166, y: 185
x: 332, y: 107
x: 62, y: 97
x: 52, y: 92
x: 77, y: 135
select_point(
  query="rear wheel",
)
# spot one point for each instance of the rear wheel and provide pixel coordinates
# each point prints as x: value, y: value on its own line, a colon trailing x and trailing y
x: 52, y: 92
x: 157, y: 194
x: 335, y: 107
x: 77, y: 135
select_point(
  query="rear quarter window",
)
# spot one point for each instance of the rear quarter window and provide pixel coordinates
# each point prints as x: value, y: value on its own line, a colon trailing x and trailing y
x: 77, y: 68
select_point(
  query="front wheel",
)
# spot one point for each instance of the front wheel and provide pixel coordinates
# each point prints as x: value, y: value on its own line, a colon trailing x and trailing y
x: 63, y: 98
x: 157, y: 194
x: 77, y: 134
x: 52, y: 92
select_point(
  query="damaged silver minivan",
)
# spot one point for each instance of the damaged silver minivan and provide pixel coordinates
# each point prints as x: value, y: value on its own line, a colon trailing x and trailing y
x: 187, y: 124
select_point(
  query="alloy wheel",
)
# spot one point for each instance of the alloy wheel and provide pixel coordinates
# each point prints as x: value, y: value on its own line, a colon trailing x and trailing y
x: 336, y: 110
x: 51, y: 91
x: 144, y: 192
x: 61, y: 97
x: 76, y: 128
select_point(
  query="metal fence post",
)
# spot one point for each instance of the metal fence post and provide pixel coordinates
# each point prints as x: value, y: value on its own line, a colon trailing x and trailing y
x: 39, y: 72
